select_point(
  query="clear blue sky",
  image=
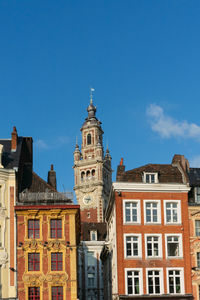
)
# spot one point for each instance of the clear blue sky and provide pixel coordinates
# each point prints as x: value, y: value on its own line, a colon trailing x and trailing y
x: 142, y: 58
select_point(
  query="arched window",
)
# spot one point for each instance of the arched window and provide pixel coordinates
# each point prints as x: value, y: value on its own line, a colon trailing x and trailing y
x: 82, y: 176
x: 88, y: 174
x: 93, y: 173
x: 89, y: 139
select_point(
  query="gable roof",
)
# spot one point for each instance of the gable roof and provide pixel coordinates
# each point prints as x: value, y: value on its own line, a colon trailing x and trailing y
x: 167, y: 173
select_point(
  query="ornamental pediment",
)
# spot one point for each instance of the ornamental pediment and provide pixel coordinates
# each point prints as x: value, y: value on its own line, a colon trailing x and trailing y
x: 194, y: 214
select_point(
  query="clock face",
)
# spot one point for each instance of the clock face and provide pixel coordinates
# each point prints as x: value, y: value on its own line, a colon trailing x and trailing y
x: 87, y: 199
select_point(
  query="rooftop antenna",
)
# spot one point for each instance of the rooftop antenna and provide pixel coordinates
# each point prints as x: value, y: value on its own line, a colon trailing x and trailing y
x: 91, y: 94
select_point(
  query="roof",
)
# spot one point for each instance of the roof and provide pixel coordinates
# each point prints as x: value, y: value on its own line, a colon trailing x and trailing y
x: 194, y: 176
x: 11, y: 159
x: 167, y: 173
x: 99, y: 227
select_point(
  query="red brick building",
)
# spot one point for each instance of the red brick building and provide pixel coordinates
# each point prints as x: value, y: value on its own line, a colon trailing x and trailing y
x: 148, y: 254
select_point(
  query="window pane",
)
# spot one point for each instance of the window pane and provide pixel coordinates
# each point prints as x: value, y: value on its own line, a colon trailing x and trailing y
x: 197, y: 227
x: 56, y: 228
x: 57, y: 292
x: 33, y: 293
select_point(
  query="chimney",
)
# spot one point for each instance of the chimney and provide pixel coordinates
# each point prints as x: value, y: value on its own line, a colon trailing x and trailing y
x: 52, y: 178
x: 14, y: 140
x: 120, y: 170
x: 182, y: 161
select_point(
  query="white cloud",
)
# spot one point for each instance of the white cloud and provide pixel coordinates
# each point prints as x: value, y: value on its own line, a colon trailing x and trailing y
x: 58, y: 142
x: 41, y: 144
x: 168, y: 127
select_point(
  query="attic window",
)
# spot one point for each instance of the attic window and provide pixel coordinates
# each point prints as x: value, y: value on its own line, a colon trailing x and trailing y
x: 150, y: 177
x: 93, y: 235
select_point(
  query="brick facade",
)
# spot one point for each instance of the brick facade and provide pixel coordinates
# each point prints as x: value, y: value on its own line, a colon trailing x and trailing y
x: 45, y: 278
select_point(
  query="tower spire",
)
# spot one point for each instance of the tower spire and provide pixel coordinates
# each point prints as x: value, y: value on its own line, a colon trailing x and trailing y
x: 91, y: 95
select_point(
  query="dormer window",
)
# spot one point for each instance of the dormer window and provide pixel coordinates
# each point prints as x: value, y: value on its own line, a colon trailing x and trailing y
x: 89, y: 139
x: 150, y: 177
x: 93, y: 235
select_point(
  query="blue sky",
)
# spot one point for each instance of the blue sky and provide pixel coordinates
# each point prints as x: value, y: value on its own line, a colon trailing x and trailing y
x: 142, y: 58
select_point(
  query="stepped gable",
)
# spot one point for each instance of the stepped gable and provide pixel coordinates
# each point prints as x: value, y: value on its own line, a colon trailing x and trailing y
x: 166, y: 173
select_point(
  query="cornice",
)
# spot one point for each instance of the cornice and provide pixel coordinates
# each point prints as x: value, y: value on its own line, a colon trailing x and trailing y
x: 155, y: 187
x: 7, y: 173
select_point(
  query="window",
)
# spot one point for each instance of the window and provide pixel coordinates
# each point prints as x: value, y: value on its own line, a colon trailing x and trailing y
x: 174, y: 245
x: 197, y: 194
x: 93, y: 235
x: 153, y: 246
x: 175, y: 281
x: 152, y: 211
x: 82, y: 176
x: 133, y: 245
x: 91, y: 259
x: 90, y: 279
x: 197, y: 227
x: 154, y: 283
x: 150, y: 177
x: 56, y: 261
x: 34, y: 293
x: 132, y: 211
x: 172, y: 211
x: 56, y: 228
x: 89, y: 139
x: 198, y: 259
x: 33, y: 229
x: 133, y: 281
x: 33, y: 261
x: 57, y: 292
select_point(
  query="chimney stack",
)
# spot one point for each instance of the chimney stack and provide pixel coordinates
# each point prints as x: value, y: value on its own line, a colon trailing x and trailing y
x: 52, y: 178
x: 14, y: 140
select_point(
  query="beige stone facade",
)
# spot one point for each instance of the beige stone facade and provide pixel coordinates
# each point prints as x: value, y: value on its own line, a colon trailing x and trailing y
x: 7, y: 233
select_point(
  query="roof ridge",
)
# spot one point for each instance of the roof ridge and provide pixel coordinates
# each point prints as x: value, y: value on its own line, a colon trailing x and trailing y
x: 41, y: 179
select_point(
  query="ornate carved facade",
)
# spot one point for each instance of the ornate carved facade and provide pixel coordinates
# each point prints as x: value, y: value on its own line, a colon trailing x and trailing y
x: 47, y: 250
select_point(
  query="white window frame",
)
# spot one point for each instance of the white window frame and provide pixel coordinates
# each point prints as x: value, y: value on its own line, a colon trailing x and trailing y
x: 196, y: 193
x: 160, y: 251
x: 139, y: 236
x: 179, y: 235
x: 161, y: 280
x: 91, y: 233
x: 138, y: 211
x: 158, y: 212
x: 140, y: 280
x: 181, y: 280
x: 197, y: 260
x: 178, y: 202
x: 150, y: 173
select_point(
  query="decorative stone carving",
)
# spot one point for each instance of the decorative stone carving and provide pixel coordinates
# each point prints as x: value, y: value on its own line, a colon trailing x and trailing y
x: 33, y: 279
x: 57, y: 278
x: 3, y: 258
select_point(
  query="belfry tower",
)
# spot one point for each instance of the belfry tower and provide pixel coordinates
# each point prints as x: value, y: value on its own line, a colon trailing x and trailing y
x: 92, y: 170
x: 93, y: 177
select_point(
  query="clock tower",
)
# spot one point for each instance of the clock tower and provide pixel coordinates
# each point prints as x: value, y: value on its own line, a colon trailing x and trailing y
x: 92, y: 170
